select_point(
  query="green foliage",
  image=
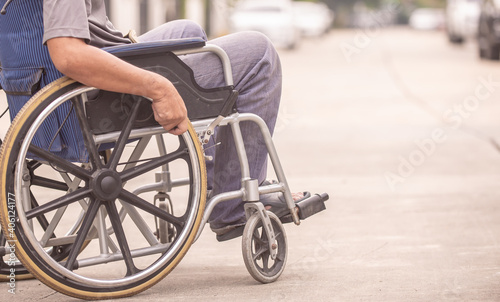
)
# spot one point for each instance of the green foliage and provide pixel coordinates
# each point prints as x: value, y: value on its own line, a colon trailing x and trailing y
x: 430, y: 3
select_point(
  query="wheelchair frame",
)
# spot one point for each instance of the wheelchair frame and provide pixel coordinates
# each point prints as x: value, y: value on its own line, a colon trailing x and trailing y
x: 205, y: 128
x: 250, y: 191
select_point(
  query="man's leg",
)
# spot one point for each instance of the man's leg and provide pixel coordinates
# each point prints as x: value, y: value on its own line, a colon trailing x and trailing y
x: 257, y: 78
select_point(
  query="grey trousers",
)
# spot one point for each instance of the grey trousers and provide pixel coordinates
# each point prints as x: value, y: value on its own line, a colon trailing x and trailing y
x: 257, y: 78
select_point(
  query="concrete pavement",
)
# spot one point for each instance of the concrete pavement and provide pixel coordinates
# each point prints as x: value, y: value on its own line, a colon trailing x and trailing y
x: 397, y: 126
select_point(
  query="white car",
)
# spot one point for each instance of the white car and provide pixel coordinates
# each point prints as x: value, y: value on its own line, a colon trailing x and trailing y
x: 462, y: 19
x: 274, y: 18
x: 427, y: 19
x: 312, y: 18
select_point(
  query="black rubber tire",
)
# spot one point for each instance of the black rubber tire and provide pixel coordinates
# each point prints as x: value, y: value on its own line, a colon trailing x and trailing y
x: 10, y: 262
x: 69, y: 276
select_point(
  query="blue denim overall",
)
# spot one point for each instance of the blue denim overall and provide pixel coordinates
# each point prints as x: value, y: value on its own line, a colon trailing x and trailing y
x: 26, y: 68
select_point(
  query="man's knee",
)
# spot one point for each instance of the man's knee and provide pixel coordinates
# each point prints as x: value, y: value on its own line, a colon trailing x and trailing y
x: 189, y: 28
x: 257, y: 44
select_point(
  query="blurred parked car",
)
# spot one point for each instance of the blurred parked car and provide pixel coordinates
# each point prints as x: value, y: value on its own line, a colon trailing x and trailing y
x: 427, y: 19
x: 274, y: 18
x: 312, y: 18
x: 462, y: 19
x: 489, y: 30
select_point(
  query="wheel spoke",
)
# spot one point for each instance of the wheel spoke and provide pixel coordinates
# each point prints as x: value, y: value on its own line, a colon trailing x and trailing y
x: 152, y: 164
x: 260, y: 242
x: 42, y: 220
x: 280, y: 257
x: 260, y: 251
x: 87, y: 223
x: 148, y: 207
x: 48, y: 183
x: 277, y: 235
x: 33, y: 165
x: 265, y: 262
x: 60, y: 162
x: 116, y: 223
x: 124, y: 134
x: 139, y: 222
x: 257, y: 237
x: 137, y: 153
x: 59, y: 202
x: 49, y: 231
x: 88, y: 140
x: 56, y: 218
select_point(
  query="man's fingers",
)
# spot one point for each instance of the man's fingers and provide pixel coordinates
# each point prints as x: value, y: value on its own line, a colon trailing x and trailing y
x: 176, y: 129
x: 179, y: 129
x: 174, y: 126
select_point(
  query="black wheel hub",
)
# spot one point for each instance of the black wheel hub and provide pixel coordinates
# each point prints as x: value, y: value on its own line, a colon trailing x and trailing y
x: 106, y: 185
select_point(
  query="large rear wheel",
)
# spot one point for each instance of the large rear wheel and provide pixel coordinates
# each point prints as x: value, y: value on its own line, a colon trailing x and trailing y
x: 103, y: 203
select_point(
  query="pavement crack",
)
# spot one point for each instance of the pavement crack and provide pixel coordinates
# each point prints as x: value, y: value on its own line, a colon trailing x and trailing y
x: 404, y: 89
x: 49, y: 295
x: 400, y: 84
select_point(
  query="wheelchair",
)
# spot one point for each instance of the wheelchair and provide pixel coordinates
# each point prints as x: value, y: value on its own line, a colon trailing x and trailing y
x: 100, y: 202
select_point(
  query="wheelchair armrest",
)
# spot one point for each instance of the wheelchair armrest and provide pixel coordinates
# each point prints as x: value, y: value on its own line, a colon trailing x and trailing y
x: 146, y: 48
x: 105, y: 109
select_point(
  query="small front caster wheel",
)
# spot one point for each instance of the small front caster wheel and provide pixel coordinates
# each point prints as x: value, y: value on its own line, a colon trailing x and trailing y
x: 256, y: 251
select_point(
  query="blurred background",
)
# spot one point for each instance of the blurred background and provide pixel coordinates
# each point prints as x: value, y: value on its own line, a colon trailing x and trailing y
x: 288, y: 22
x: 459, y: 18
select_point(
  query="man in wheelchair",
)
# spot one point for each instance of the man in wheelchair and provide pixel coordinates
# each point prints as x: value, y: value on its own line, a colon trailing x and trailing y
x: 76, y: 30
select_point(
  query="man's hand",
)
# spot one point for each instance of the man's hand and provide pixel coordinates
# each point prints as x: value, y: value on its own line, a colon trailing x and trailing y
x: 170, y: 111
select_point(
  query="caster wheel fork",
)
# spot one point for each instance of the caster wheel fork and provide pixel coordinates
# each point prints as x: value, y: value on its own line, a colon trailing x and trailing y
x: 264, y: 257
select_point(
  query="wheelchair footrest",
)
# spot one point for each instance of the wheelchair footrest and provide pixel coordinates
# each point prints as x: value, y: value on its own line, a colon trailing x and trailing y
x: 312, y: 205
x: 308, y: 207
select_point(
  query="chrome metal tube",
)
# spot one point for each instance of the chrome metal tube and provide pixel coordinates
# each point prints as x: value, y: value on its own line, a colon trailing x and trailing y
x: 226, y: 63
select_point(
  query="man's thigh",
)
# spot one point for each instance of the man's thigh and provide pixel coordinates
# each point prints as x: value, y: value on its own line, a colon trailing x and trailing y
x: 174, y: 30
x: 245, y: 51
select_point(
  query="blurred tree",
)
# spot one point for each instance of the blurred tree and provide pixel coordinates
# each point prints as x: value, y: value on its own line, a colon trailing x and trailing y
x: 208, y: 17
x: 430, y: 3
x: 344, y: 9
x: 181, y: 8
x: 176, y: 9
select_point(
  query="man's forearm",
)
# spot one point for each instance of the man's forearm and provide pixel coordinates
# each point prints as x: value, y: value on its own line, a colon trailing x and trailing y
x: 94, y: 67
